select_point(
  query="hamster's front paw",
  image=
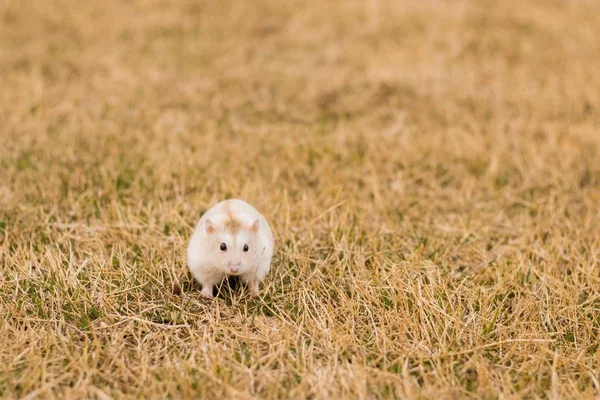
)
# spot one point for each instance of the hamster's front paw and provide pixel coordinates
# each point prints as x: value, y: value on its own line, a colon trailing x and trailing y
x: 207, y: 291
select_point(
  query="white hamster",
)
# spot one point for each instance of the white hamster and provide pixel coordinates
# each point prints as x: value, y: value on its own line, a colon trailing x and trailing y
x: 232, y: 238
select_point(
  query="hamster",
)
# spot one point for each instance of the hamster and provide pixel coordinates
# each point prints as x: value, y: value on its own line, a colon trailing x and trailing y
x: 232, y: 238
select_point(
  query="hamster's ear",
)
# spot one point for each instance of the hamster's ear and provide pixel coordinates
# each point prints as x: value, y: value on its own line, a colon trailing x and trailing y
x: 209, y: 226
x: 254, y: 227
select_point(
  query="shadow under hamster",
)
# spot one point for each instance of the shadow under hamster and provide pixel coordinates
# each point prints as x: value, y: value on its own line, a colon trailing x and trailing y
x: 231, y: 283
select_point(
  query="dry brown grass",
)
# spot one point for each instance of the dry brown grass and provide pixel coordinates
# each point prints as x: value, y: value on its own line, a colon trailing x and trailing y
x: 431, y: 170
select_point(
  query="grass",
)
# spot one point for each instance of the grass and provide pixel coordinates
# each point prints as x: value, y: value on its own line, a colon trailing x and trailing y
x: 431, y: 171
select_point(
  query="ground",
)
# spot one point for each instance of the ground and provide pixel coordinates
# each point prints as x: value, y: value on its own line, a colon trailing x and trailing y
x: 431, y: 171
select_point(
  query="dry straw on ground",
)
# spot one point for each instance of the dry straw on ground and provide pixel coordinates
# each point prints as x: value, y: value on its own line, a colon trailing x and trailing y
x: 431, y: 170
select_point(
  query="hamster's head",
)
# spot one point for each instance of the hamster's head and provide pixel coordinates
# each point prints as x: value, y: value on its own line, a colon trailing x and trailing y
x: 234, y: 245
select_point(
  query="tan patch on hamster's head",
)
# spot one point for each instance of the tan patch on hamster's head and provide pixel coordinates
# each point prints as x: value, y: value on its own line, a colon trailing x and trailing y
x: 233, y: 225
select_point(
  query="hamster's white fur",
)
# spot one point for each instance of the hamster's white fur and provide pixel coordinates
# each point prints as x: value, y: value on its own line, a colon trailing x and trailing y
x: 232, y: 238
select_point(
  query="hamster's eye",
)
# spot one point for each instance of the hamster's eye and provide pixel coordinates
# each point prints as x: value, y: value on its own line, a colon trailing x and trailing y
x: 223, y: 247
x: 246, y: 247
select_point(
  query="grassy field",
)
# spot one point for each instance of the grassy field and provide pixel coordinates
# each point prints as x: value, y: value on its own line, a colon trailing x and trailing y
x: 431, y: 171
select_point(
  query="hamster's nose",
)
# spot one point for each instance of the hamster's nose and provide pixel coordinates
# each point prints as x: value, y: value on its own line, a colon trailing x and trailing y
x: 234, y: 270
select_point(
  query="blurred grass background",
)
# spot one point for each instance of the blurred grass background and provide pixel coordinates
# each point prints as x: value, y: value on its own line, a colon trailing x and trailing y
x: 430, y: 169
